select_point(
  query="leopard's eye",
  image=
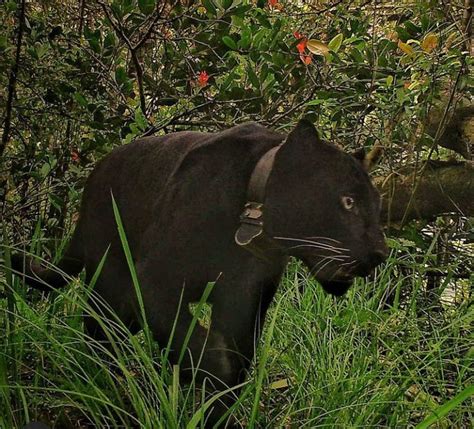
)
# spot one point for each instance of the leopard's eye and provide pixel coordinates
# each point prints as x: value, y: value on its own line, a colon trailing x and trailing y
x: 348, y: 203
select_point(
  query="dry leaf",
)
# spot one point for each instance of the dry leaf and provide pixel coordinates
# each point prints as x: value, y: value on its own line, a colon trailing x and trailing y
x: 405, y: 47
x: 280, y: 384
x: 317, y: 47
x: 451, y: 38
x: 429, y: 42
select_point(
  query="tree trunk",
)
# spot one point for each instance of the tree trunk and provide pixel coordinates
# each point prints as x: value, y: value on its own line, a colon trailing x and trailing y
x: 442, y: 187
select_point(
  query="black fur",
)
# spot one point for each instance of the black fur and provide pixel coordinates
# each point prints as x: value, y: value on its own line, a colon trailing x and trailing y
x: 180, y: 197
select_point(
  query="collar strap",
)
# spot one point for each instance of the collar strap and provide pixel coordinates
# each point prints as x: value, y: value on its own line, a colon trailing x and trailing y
x: 250, y: 234
x: 260, y: 174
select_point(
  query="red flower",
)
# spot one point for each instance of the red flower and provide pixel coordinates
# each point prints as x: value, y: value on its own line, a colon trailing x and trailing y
x: 75, y: 156
x: 306, y: 59
x: 298, y: 35
x: 302, y: 45
x: 273, y: 4
x: 202, y: 79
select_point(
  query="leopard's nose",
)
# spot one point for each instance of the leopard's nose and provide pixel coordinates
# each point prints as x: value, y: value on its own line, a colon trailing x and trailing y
x: 378, y: 256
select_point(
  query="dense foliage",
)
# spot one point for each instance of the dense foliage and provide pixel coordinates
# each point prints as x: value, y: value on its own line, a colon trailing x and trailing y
x: 93, y: 75
x: 79, y: 78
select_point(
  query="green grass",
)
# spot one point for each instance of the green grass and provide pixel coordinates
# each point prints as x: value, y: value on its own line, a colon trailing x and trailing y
x: 386, y: 355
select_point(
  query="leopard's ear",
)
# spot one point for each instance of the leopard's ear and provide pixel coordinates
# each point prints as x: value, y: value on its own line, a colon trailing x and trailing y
x: 369, y: 160
x: 304, y: 134
x: 302, y: 142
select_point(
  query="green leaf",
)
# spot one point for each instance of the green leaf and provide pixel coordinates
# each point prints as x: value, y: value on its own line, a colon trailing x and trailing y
x: 260, y: 36
x: 127, y: 6
x: 121, y: 75
x: 279, y: 59
x: 81, y: 100
x: 197, y: 312
x: 413, y: 30
x: 264, y: 21
x: 269, y: 82
x: 3, y: 41
x: 117, y: 10
x: 245, y: 38
x: 11, y: 6
x: 45, y: 169
x: 41, y: 49
x: 109, y: 42
x: 228, y: 81
x: 253, y: 78
x: 315, y: 102
x: 210, y: 7
x: 238, y: 21
x: 140, y: 120
x: 122, y: 79
x: 336, y: 42
x: 356, y: 55
x: 403, y: 34
x: 56, y: 201
x: 146, y: 6
x: 229, y: 42
x: 93, y: 37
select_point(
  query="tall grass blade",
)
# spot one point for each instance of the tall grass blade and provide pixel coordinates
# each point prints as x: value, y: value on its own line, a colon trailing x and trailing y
x: 133, y: 272
x: 446, y: 408
x: 261, y: 371
x: 202, y: 301
x: 98, y: 270
x: 195, y: 420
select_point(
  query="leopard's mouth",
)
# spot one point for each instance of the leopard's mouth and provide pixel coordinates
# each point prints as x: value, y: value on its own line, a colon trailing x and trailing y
x: 337, y: 287
x: 331, y: 279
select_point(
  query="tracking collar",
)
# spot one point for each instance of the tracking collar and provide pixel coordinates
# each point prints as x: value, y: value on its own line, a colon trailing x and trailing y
x: 250, y: 234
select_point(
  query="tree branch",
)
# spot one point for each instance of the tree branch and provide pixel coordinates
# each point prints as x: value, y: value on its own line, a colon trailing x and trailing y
x: 12, y: 80
x: 133, y: 54
x: 82, y: 7
x: 467, y: 24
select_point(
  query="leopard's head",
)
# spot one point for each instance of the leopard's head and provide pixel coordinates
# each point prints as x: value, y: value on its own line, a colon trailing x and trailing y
x: 322, y: 208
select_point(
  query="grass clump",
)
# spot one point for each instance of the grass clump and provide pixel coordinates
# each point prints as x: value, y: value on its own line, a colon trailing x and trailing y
x: 386, y: 355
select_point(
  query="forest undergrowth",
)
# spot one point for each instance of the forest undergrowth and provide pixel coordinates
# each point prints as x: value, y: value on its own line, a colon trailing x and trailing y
x: 389, y: 354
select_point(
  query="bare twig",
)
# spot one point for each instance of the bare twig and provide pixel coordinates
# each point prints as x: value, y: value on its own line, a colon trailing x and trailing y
x: 295, y: 107
x: 172, y: 120
x: 467, y: 23
x: 81, y: 16
x: 434, y: 146
x: 133, y: 53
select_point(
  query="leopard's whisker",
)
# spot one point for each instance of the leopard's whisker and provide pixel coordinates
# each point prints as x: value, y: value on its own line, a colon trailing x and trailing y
x: 320, y: 237
x: 340, y: 254
x: 353, y: 262
x: 322, y: 245
x: 315, y: 270
x: 338, y: 257
x: 325, y: 261
x: 341, y: 268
